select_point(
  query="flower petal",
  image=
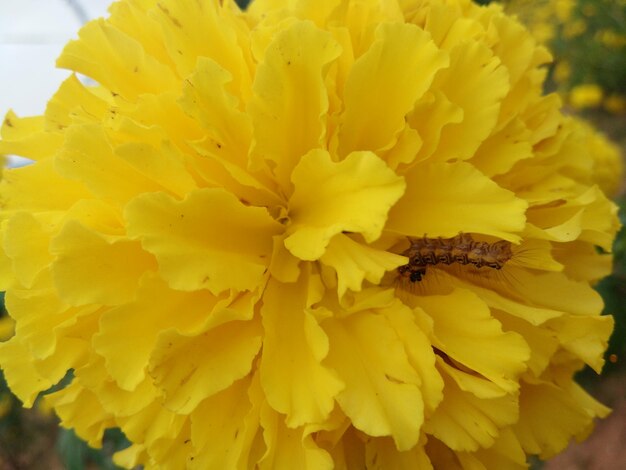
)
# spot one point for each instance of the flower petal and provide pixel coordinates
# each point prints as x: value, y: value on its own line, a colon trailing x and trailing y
x: 445, y: 199
x: 69, y: 405
x: 20, y: 373
x: 293, y: 378
x: 232, y: 252
x: 461, y: 321
x: 381, y: 454
x: 28, y: 138
x: 386, y: 81
x: 355, y: 262
x: 220, y: 432
x: 352, y: 195
x: 382, y: 395
x: 290, y: 99
x: 116, y: 61
x: 113, y: 264
x: 26, y: 240
x: 465, y: 422
x: 127, y: 353
x: 289, y: 448
x: 191, y: 368
x: 479, y: 94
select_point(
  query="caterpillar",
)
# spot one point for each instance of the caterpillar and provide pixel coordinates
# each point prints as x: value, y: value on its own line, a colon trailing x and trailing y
x: 462, y: 249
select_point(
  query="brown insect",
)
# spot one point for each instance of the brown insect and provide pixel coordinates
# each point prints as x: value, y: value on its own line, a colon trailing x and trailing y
x: 462, y: 249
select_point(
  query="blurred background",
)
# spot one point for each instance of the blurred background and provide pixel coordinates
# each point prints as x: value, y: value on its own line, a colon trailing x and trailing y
x: 588, y: 40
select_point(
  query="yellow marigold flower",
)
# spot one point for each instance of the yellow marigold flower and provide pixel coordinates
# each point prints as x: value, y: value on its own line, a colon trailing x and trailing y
x: 588, y: 95
x: 315, y: 234
x: 608, y: 166
x: 563, y: 9
x: 562, y: 71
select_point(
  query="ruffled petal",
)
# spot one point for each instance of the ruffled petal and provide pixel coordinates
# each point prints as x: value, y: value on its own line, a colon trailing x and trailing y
x: 290, y: 98
x: 232, y: 253
x: 355, y: 262
x: 292, y: 375
x: 353, y: 195
x: 394, y: 72
x: 460, y: 322
x: 20, y: 373
x: 127, y: 353
x: 289, y: 448
x: 116, y: 61
x: 444, y: 199
x: 466, y: 422
x: 382, y: 395
x: 27, y: 137
x: 219, y: 356
x: 114, y: 265
x: 223, y: 427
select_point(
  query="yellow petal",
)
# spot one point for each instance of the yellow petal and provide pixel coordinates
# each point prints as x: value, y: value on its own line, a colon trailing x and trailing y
x: 153, y: 426
x: 202, y: 29
x: 74, y: 103
x: 20, y: 373
x: 589, y: 217
x: 116, y: 61
x: 355, y: 262
x: 420, y: 354
x: 445, y: 199
x: 232, y: 252
x: 382, y: 395
x: 431, y: 114
x: 88, y: 157
x: 114, y: 400
x: 127, y: 353
x: 289, y: 448
x: 353, y: 195
x: 114, y: 265
x: 502, y: 150
x: 549, y: 418
x: 485, y: 82
x: 220, y: 431
x: 293, y: 378
x: 505, y: 453
x: 541, y: 341
x: 381, y: 454
x: 69, y: 405
x: 585, y: 336
x: 191, y: 368
x: 397, y: 69
x: 26, y: 240
x: 207, y: 101
x: 130, y: 457
x: 27, y: 137
x: 163, y: 165
x: 461, y: 321
x: 53, y: 191
x: 290, y: 100
x: 465, y: 422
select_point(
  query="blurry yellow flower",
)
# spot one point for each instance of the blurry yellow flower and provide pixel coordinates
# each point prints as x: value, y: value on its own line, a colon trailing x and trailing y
x: 562, y: 71
x: 611, y: 39
x: 563, y: 9
x: 573, y: 29
x: 217, y: 239
x: 615, y: 104
x: 588, y: 95
x: 608, y: 165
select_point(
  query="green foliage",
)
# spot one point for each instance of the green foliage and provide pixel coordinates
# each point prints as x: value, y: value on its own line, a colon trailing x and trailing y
x: 593, y: 42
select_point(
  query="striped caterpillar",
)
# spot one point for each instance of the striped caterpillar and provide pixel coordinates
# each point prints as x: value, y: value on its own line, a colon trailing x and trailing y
x: 462, y: 249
